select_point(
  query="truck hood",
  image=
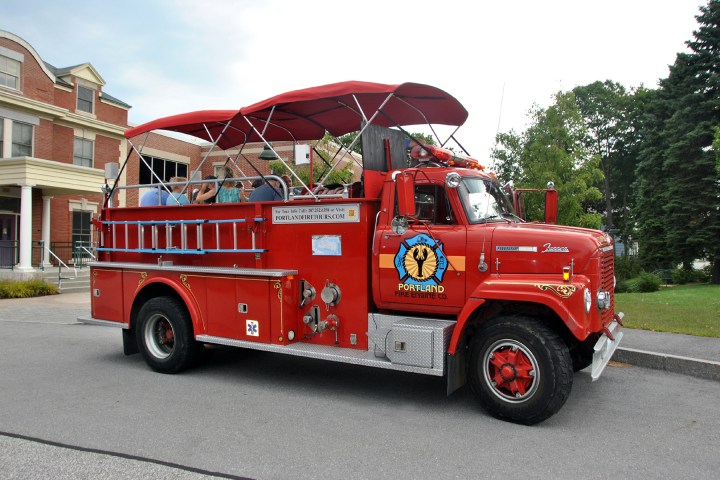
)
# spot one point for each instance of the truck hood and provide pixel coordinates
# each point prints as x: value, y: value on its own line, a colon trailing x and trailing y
x: 538, y: 248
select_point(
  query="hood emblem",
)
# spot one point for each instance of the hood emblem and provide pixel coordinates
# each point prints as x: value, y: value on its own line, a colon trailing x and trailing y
x: 548, y: 248
x: 514, y: 248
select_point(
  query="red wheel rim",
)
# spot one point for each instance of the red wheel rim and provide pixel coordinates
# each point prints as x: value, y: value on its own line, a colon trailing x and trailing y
x: 511, y: 371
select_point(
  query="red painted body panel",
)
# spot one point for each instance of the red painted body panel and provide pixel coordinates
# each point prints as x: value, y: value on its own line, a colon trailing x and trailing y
x: 289, y: 246
x: 519, y: 259
x: 104, y: 285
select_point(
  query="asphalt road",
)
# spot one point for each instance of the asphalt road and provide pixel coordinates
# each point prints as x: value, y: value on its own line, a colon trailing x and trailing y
x: 73, y: 406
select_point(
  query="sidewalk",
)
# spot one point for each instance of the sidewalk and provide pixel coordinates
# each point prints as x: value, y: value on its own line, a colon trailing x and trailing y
x: 685, y: 354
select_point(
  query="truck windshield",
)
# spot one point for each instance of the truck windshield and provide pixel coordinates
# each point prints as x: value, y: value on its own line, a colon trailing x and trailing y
x: 484, y: 201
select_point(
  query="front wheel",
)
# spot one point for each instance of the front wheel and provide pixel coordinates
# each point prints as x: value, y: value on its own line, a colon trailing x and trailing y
x: 519, y: 369
x: 165, y: 335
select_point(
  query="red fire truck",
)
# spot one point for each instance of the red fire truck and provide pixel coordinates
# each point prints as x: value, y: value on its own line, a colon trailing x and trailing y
x: 421, y: 267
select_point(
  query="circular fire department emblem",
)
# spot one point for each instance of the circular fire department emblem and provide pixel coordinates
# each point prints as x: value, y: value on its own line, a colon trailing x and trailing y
x: 420, y: 261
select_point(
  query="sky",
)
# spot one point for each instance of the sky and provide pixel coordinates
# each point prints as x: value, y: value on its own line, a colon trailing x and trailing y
x: 498, y: 58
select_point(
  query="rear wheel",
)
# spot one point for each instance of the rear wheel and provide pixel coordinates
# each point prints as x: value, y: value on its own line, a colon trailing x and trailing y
x: 520, y: 370
x: 165, y: 335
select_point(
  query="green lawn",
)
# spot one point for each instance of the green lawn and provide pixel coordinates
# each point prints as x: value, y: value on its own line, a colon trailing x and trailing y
x: 688, y: 309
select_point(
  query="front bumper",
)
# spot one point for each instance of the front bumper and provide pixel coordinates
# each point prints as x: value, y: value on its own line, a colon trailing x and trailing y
x: 606, y: 346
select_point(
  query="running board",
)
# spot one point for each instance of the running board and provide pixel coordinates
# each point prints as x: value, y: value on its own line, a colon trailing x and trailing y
x: 324, y: 352
x: 102, y: 323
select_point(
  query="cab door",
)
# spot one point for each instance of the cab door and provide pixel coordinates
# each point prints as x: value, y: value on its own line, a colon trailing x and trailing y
x: 423, y: 269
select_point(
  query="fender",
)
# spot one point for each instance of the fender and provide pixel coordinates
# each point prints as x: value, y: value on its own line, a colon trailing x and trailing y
x: 470, y: 306
x: 562, y: 298
x: 198, y: 321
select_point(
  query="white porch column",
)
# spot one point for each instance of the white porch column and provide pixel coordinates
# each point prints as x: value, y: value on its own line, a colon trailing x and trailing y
x: 46, y: 230
x: 25, y: 264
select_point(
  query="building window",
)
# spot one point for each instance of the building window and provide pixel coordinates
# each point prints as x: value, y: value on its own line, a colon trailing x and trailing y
x: 22, y: 140
x: 163, y: 169
x: 81, y: 229
x: 9, y: 72
x: 83, y: 152
x: 85, y: 99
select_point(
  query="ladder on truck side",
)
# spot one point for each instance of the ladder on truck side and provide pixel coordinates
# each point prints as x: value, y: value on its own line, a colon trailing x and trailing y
x: 185, y: 226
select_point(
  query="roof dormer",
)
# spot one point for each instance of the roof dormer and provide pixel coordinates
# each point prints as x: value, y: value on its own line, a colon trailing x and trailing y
x: 84, y: 71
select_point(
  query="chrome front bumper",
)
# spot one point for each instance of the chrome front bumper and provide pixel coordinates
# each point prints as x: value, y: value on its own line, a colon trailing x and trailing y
x: 606, y: 346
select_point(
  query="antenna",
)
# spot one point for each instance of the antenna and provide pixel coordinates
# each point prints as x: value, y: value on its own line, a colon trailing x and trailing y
x: 497, y: 130
x: 502, y: 98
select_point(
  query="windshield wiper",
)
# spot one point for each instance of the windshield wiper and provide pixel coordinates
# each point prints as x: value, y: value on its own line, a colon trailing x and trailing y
x: 493, y: 218
x: 512, y: 215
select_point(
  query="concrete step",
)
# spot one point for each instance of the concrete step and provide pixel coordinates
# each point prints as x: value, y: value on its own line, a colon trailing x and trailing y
x: 68, y: 281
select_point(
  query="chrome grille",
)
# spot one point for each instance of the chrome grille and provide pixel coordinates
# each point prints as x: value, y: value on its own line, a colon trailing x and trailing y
x: 607, y: 272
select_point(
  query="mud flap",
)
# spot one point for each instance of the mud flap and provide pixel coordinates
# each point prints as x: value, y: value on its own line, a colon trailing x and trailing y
x: 456, y: 370
x: 130, y: 345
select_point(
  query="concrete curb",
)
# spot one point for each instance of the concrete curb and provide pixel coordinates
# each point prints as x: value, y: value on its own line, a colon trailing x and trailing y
x: 671, y: 363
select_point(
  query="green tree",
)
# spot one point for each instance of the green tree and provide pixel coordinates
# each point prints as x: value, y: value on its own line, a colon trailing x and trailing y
x: 611, y: 116
x: 716, y: 147
x: 650, y: 189
x: 679, y: 156
x: 339, y: 175
x: 552, y: 149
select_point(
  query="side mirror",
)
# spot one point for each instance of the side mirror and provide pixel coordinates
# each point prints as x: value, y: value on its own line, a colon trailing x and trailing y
x: 405, y: 188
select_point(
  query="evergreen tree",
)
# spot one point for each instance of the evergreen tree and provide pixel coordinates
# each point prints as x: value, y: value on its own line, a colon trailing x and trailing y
x: 679, y: 187
x: 650, y: 188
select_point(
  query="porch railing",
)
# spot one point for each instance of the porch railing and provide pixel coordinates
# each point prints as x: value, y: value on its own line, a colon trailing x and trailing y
x: 10, y: 253
x: 78, y: 253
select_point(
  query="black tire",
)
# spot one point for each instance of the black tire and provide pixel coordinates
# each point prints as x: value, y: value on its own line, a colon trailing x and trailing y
x: 165, y: 335
x: 519, y: 369
x: 582, y: 357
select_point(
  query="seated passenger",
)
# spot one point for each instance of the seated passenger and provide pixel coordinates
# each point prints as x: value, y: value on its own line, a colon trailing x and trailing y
x: 177, y: 196
x: 208, y: 191
x: 269, y: 191
x: 154, y: 197
x: 230, y: 193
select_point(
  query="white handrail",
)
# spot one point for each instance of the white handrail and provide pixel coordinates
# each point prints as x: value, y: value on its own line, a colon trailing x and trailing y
x: 89, y: 253
x: 60, y: 265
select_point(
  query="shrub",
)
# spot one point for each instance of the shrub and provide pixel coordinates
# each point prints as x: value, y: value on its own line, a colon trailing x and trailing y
x: 25, y: 289
x: 622, y: 287
x: 682, y: 276
x: 626, y: 268
x: 647, y: 282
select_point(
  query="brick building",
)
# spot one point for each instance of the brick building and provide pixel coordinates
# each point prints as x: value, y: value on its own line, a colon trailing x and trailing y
x: 59, y: 129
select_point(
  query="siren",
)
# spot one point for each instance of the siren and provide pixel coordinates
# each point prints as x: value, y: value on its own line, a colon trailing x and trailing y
x: 444, y: 156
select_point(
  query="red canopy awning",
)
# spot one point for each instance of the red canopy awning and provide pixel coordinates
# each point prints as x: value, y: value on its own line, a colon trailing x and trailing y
x: 191, y: 123
x: 306, y: 114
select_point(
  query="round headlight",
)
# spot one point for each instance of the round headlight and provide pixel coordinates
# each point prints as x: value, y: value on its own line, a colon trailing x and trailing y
x: 588, y: 300
x: 603, y: 300
x: 452, y: 180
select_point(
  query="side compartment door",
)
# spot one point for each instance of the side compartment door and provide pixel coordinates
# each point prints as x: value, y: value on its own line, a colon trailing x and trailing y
x: 424, y: 268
